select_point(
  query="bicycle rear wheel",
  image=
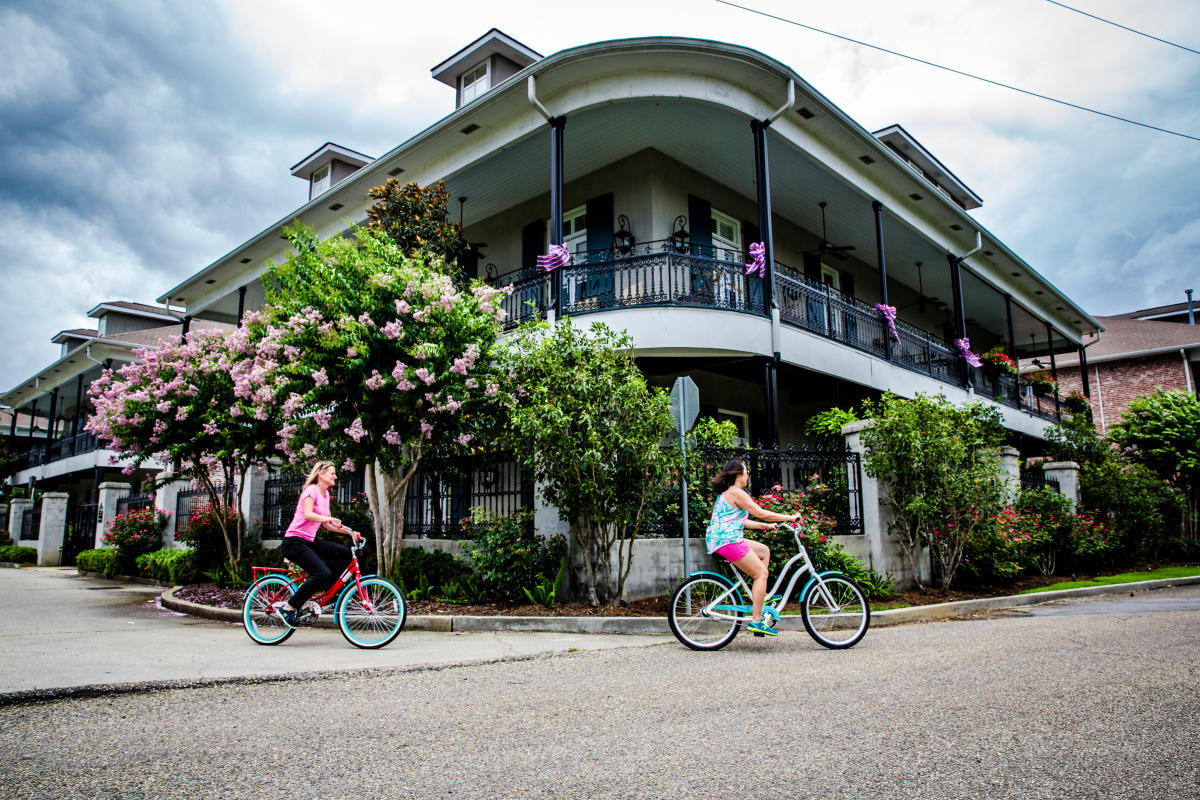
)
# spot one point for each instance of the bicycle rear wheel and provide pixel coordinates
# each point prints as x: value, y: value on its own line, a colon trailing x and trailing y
x: 688, y: 621
x: 259, y: 616
x: 837, y: 617
x: 374, y: 618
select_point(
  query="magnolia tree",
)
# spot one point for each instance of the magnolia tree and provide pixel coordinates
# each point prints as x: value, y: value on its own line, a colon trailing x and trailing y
x: 373, y: 360
x: 583, y: 419
x: 941, y: 466
x: 177, y: 404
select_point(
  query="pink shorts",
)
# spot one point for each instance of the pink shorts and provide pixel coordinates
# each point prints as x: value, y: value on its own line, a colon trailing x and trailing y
x: 733, y: 551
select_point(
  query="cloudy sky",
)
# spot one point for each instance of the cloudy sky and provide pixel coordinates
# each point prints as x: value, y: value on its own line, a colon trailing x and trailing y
x: 141, y: 140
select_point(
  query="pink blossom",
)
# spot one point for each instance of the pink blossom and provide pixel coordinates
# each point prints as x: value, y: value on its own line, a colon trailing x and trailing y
x: 424, y: 375
x: 464, y: 439
x: 320, y: 378
x: 403, y: 307
x: 322, y: 419
x: 356, y: 430
x: 393, y: 330
x: 365, y: 319
x: 426, y: 430
x: 348, y: 466
x: 376, y: 381
x: 393, y: 438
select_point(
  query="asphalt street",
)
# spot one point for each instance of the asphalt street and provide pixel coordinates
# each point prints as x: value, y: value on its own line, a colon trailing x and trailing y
x: 1092, y: 698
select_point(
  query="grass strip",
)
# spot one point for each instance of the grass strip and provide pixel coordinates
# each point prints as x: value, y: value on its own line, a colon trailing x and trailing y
x: 1125, y: 577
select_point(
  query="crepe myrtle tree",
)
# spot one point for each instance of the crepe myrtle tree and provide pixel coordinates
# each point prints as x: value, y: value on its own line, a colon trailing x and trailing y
x: 582, y: 419
x: 374, y: 360
x: 177, y: 403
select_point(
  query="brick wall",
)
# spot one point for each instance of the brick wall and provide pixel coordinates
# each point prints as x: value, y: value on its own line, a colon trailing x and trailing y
x: 1115, y: 384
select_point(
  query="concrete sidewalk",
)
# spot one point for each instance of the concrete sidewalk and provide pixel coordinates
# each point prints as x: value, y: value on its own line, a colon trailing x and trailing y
x: 64, y: 634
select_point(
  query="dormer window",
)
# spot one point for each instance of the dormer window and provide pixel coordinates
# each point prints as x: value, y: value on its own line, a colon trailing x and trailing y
x: 475, y: 82
x: 320, y: 181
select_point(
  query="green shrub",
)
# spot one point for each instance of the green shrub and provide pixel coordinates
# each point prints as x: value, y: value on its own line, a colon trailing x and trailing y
x: 204, y: 536
x: 419, y: 570
x: 15, y: 554
x: 135, y: 533
x: 5, y: 539
x: 101, y: 560
x: 508, y: 554
x: 169, y: 566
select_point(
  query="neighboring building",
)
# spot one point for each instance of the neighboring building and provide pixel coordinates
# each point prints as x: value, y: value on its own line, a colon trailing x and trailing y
x: 1134, y: 356
x: 47, y: 412
x: 657, y: 162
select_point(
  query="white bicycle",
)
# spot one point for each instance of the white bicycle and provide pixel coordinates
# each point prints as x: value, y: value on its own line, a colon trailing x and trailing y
x: 707, y: 609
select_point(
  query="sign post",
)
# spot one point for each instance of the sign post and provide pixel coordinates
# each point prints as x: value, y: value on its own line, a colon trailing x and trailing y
x: 685, y: 407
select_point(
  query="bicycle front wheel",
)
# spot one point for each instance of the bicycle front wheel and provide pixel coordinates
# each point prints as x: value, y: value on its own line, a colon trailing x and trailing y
x: 259, y: 610
x: 694, y: 626
x: 373, y: 617
x: 837, y: 615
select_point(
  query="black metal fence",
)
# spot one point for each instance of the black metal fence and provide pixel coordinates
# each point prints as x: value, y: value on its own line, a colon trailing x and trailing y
x: 831, y: 480
x: 283, y: 492
x: 443, y: 490
x: 80, y: 534
x: 134, y: 502
x: 1036, y: 479
x: 190, y: 502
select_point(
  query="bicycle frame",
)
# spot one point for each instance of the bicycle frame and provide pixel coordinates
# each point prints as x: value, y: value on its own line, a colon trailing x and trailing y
x: 298, y: 576
x: 716, y: 608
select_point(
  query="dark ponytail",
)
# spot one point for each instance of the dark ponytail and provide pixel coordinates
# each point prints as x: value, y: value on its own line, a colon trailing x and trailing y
x: 728, y: 475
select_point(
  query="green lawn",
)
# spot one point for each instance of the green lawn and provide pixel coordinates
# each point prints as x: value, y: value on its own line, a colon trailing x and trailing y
x: 1124, y: 577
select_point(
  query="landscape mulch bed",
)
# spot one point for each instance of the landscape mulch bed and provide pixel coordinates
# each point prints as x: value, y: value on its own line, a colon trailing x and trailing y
x: 210, y: 594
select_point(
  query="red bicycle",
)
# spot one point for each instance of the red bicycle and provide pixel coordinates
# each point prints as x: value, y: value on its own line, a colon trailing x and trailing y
x: 369, y: 610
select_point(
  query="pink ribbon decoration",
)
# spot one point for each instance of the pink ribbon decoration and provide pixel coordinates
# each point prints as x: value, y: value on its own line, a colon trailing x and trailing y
x: 964, y: 350
x: 758, y: 260
x: 889, y: 313
x: 559, y: 256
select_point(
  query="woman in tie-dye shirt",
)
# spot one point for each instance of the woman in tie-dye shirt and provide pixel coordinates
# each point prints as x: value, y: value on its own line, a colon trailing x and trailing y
x: 724, y: 537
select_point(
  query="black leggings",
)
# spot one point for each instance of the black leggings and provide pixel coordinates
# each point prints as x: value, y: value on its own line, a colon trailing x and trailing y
x: 321, y: 561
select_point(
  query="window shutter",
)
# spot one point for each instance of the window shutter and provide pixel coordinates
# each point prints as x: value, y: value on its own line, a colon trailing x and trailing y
x: 533, y: 240
x: 847, y: 281
x: 600, y: 226
x: 700, y: 225
x: 812, y: 267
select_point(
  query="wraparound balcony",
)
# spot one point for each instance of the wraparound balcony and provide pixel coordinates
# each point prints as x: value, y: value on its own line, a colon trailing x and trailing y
x: 661, y: 274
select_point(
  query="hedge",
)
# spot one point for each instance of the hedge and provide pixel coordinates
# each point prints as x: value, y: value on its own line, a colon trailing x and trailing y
x: 169, y: 566
x: 102, y: 560
x: 16, y: 554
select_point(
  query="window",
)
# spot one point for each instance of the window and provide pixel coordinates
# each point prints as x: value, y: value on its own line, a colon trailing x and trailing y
x: 726, y: 236
x: 474, y: 83
x: 575, y: 230
x: 741, y: 420
x: 830, y: 277
x: 320, y: 181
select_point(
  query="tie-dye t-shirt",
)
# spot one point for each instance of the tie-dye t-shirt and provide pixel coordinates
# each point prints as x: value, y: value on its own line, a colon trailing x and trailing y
x: 726, y: 526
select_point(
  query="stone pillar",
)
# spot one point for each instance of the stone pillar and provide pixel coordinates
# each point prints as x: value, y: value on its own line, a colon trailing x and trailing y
x: 54, y: 524
x: 253, y: 501
x: 1067, y: 475
x: 108, y: 495
x: 16, y: 510
x: 1010, y: 470
x: 876, y: 546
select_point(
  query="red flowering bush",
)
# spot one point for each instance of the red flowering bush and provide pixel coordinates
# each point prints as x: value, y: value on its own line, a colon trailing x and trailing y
x: 135, y: 533
x: 1000, y: 360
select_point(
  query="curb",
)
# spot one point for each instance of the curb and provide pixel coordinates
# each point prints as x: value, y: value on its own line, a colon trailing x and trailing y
x: 451, y: 623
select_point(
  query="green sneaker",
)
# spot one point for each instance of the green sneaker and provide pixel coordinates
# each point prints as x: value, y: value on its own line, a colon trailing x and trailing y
x: 761, y: 629
x: 775, y: 598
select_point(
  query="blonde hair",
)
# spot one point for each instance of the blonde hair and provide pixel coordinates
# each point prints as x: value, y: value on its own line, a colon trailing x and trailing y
x: 317, y: 469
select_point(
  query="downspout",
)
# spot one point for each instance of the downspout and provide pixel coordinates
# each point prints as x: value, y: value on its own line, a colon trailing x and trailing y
x: 1187, y: 371
x: 791, y: 101
x: 978, y: 246
x: 533, y: 99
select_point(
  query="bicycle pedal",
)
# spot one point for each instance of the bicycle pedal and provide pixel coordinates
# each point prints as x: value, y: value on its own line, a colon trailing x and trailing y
x: 760, y: 635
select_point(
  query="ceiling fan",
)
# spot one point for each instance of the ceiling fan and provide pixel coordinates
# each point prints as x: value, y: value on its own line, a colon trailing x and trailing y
x: 837, y: 251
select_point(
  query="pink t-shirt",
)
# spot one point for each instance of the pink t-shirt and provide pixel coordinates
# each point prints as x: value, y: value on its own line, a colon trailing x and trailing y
x: 304, y: 528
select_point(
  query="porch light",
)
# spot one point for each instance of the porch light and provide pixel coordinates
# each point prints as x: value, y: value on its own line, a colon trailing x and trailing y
x: 623, y: 239
x: 681, y: 240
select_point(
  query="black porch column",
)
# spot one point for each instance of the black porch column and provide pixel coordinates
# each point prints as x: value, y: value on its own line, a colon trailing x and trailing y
x: 1053, y: 369
x: 877, y: 207
x: 32, y: 424
x: 960, y: 317
x: 78, y: 413
x: 50, y: 422
x: 241, y: 304
x: 1012, y: 347
x: 187, y: 324
x: 762, y: 178
x: 12, y: 431
x: 771, y: 399
x: 557, y: 124
x: 1083, y: 373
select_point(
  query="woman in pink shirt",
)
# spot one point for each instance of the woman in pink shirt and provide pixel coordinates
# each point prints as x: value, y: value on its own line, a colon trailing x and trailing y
x: 320, y: 560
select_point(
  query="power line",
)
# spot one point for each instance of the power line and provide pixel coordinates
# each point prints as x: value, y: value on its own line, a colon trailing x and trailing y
x: 1122, y: 27
x: 960, y: 72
